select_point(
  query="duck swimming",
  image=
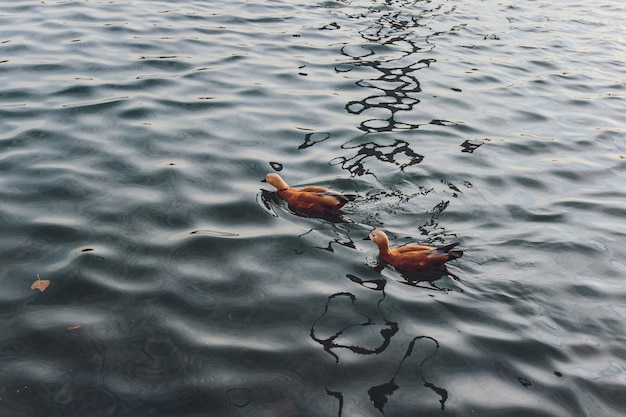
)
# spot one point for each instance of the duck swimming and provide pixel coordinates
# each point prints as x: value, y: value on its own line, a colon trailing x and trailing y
x: 413, y: 258
x: 310, y: 199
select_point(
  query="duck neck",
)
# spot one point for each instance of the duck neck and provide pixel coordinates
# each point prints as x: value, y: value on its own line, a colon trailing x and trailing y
x: 383, y: 250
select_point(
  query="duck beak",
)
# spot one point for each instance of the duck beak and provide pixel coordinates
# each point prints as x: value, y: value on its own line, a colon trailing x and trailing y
x: 263, y: 180
x: 367, y: 237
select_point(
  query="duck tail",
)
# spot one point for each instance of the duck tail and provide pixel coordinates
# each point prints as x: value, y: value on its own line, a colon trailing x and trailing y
x: 452, y: 254
x: 343, y: 198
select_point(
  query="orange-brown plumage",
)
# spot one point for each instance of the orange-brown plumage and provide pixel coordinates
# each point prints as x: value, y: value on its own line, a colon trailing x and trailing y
x: 310, y: 199
x: 413, y: 257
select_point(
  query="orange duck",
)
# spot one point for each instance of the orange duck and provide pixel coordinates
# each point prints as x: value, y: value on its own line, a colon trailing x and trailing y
x: 413, y: 258
x: 310, y: 199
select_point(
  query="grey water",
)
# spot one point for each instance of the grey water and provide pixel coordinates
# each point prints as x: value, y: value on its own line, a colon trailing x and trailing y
x: 133, y: 138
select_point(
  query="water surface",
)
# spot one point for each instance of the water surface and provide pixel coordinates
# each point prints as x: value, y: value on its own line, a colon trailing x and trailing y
x: 133, y: 138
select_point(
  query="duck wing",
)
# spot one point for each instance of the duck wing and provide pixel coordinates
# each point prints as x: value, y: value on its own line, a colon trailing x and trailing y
x: 412, y: 248
x: 315, y: 189
x: 332, y: 197
x: 446, y: 251
x: 312, y: 202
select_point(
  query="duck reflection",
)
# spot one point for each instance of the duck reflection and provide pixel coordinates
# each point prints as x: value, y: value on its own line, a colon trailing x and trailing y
x: 429, y: 279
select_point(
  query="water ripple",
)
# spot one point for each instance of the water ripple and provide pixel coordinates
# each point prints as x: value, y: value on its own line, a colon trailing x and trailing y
x: 132, y: 144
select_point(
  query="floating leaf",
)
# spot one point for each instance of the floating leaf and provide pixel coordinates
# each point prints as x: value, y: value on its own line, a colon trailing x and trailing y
x: 40, y: 284
x: 73, y: 327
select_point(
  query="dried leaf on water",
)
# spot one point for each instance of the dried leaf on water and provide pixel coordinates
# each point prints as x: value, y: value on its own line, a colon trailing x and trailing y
x: 40, y: 284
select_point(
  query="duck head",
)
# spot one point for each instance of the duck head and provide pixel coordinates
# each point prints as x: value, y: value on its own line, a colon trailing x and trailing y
x: 379, y: 238
x: 276, y: 181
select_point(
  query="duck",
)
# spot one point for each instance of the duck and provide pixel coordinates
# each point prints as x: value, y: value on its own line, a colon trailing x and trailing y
x: 311, y: 199
x: 413, y: 258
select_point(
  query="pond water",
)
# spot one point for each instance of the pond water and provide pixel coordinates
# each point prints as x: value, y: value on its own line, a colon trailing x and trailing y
x: 169, y: 281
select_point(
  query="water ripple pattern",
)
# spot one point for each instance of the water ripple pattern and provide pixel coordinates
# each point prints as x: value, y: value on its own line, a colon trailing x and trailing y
x: 147, y: 271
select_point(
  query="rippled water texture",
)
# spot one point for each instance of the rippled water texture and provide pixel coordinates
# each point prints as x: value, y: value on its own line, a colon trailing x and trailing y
x: 169, y: 281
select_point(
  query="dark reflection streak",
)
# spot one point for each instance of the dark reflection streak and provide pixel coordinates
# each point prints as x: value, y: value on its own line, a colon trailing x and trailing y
x: 329, y: 344
x: 452, y: 187
x: 438, y: 390
x: 345, y: 241
x: 440, y: 207
x: 311, y: 139
x: 470, y: 147
x: 305, y: 233
x: 379, y: 286
x: 398, y: 26
x: 380, y: 283
x: 330, y: 26
x: 380, y: 195
x: 397, y: 83
x: 433, y: 224
x: 355, y: 165
x: 380, y: 393
x: 339, y: 397
x: 276, y: 166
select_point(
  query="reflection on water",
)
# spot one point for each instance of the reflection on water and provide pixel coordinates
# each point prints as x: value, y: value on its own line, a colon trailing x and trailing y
x: 331, y: 327
x: 381, y: 393
x: 311, y: 139
x: 358, y: 319
x: 337, y: 324
x: 399, y: 30
x: 342, y: 238
x: 469, y: 146
x: 398, y: 153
